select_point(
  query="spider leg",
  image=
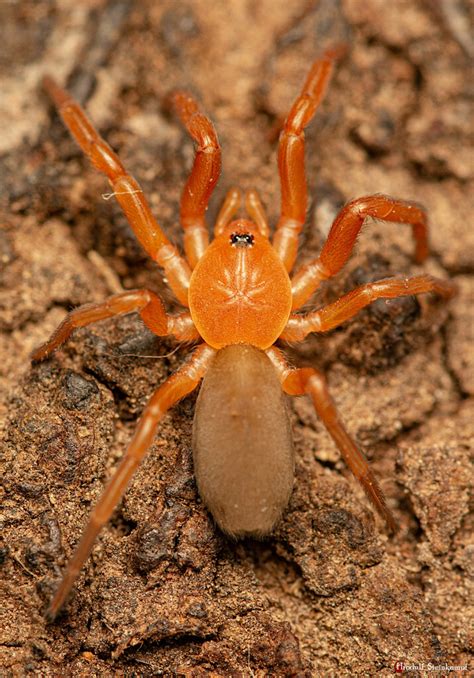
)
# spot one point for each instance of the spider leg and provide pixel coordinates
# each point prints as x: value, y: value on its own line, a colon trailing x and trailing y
x: 203, y: 178
x: 343, y: 234
x: 311, y: 382
x: 176, y: 387
x: 333, y: 315
x: 294, y: 197
x: 148, y: 304
x: 126, y: 190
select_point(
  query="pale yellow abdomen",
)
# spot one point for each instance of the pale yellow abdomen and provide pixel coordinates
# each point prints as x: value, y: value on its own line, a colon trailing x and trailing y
x: 242, y: 443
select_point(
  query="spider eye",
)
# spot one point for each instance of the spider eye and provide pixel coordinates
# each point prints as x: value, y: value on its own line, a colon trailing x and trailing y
x: 241, y: 239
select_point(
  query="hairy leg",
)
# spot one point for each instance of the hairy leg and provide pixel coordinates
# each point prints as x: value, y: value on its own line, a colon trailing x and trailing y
x: 311, y: 382
x: 148, y: 304
x: 126, y: 190
x: 203, y: 178
x: 343, y: 234
x: 176, y: 387
x: 333, y: 315
x: 294, y: 197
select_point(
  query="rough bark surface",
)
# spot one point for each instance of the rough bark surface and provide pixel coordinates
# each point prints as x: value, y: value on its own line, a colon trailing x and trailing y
x: 165, y: 592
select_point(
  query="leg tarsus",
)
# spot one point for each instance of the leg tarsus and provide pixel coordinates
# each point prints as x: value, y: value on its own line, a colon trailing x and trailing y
x: 309, y: 381
x: 125, y: 188
x: 343, y: 235
x: 291, y: 159
x: 176, y: 387
x: 333, y: 315
x: 148, y: 304
x: 348, y: 223
x: 203, y: 178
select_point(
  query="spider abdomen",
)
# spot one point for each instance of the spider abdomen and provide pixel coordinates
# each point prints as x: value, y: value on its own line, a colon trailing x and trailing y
x: 242, y: 442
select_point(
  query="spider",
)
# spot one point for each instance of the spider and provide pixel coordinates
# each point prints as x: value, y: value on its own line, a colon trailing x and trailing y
x: 240, y: 300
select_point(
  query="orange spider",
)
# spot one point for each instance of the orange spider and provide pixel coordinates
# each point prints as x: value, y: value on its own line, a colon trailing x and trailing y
x: 241, y: 299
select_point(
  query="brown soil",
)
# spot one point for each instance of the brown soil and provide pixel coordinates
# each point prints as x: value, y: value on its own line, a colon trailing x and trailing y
x: 165, y: 592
